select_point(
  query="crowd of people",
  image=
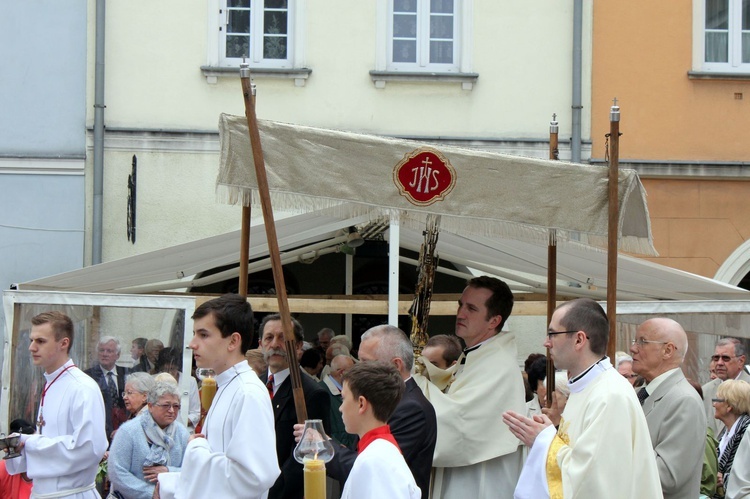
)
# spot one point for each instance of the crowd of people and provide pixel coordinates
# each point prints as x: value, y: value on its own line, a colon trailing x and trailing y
x: 459, y: 420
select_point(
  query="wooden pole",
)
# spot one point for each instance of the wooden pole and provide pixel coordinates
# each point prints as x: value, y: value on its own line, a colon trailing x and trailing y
x: 273, y: 243
x: 551, y: 266
x: 244, y: 248
x: 613, y: 232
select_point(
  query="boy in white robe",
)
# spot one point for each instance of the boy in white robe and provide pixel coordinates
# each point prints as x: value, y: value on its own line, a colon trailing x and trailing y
x: 63, y: 456
x: 371, y: 391
x: 236, y: 454
x: 602, y: 447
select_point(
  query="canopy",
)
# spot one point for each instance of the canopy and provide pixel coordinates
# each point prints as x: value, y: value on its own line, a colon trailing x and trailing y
x: 477, y: 193
x: 581, y: 269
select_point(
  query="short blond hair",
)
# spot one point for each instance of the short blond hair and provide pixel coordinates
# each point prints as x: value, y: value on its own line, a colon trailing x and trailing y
x: 736, y: 393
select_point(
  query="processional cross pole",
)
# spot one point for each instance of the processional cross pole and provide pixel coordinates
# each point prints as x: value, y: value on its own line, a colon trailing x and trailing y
x: 613, y: 232
x: 273, y: 243
x: 551, y: 266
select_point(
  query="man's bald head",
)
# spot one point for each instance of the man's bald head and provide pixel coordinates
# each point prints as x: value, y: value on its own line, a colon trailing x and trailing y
x: 661, y: 345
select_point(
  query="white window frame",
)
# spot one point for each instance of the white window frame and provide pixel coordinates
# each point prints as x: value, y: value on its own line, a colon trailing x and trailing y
x: 734, y: 65
x: 217, y: 19
x: 461, y: 36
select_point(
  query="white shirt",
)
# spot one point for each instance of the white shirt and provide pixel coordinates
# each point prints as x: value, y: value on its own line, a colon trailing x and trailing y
x: 65, y: 456
x: 238, y: 456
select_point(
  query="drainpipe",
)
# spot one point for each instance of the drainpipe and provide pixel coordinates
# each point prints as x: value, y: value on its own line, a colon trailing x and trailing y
x: 96, y: 246
x: 575, y: 139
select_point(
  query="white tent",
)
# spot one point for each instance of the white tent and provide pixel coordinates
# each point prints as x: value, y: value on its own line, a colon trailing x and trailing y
x: 581, y: 269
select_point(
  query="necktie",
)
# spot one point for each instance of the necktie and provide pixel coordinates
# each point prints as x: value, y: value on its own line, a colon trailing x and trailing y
x: 112, y: 387
x: 642, y: 395
x: 269, y: 385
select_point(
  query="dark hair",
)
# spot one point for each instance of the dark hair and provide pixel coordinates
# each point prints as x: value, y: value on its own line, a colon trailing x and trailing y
x: 379, y: 383
x: 500, y: 302
x: 232, y: 314
x: 299, y: 334
x: 537, y: 372
x: 310, y: 358
x: 140, y: 342
x: 451, y: 346
x: 61, y: 324
x: 169, y: 356
x: 21, y: 426
x: 531, y: 359
x: 585, y: 314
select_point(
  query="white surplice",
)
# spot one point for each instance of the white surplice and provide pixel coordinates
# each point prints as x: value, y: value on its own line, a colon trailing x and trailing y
x: 476, y: 454
x: 380, y: 472
x: 602, y: 447
x: 66, y: 454
x: 238, y: 456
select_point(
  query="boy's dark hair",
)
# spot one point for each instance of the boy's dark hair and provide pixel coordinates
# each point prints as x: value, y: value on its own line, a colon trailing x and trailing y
x: 379, y: 383
x: 61, y: 324
x: 232, y: 313
x: 21, y: 426
x: 452, y: 348
x: 299, y: 334
x: 500, y: 302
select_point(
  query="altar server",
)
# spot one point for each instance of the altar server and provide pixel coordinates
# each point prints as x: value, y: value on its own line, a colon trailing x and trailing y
x: 236, y: 454
x: 63, y: 456
x: 370, y: 394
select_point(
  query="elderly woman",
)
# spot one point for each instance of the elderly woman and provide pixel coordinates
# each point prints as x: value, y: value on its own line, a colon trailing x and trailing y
x: 150, y: 444
x: 137, y: 386
x: 731, y: 407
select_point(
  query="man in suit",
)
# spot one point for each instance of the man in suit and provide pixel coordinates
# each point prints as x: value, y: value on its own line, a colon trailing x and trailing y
x: 413, y: 423
x: 729, y: 357
x: 674, y: 412
x: 290, y: 484
x: 111, y: 381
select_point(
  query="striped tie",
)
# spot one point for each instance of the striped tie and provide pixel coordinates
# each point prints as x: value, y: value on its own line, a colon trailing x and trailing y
x: 269, y: 385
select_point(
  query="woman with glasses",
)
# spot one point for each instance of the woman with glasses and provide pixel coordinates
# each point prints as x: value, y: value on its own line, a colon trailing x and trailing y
x: 148, y: 445
x: 137, y: 386
x: 731, y: 407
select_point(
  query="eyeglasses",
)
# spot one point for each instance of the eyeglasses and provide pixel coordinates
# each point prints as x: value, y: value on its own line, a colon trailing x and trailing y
x: 550, y: 334
x: 718, y: 400
x: 166, y: 407
x: 128, y: 393
x: 641, y: 342
x: 723, y: 358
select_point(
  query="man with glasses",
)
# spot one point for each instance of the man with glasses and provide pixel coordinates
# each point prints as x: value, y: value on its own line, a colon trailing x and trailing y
x: 674, y: 411
x: 729, y: 358
x: 602, y: 447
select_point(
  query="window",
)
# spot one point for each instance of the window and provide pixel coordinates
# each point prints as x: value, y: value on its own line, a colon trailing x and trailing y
x: 259, y: 30
x: 424, y: 35
x: 725, y: 36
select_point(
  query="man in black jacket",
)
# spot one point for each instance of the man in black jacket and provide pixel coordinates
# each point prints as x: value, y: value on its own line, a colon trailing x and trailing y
x: 412, y: 424
x: 111, y: 381
x: 290, y: 484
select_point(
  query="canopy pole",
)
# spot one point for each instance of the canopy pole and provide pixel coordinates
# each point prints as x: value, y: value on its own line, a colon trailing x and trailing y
x: 394, y: 243
x: 245, y: 242
x: 613, y: 228
x: 554, y: 129
x: 349, y: 290
x: 273, y: 243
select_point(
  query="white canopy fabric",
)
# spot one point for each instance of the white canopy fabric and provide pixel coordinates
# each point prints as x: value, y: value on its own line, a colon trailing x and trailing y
x: 581, y: 269
x: 481, y: 193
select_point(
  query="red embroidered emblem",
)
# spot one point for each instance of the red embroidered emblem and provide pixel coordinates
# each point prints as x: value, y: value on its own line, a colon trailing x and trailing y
x: 424, y: 176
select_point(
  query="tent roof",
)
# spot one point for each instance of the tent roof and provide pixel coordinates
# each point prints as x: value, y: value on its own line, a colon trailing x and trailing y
x: 581, y: 269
